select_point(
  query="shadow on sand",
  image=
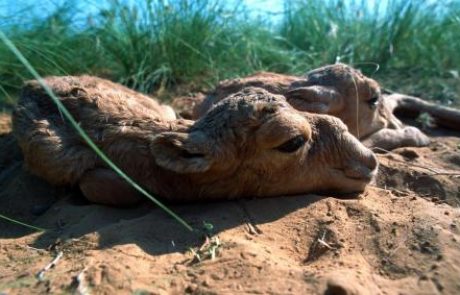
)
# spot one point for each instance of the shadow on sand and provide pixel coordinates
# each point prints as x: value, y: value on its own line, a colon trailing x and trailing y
x: 66, y: 215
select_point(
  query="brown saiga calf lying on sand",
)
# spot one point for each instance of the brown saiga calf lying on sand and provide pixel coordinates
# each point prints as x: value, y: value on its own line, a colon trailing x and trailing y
x: 251, y: 144
x: 344, y: 92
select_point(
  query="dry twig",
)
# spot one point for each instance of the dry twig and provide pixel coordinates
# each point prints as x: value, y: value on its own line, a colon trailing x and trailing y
x: 82, y: 286
x: 41, y: 274
x: 433, y: 171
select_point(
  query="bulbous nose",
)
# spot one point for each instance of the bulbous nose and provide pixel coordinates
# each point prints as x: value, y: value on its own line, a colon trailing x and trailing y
x: 361, y: 163
x: 370, y: 160
x: 362, y: 167
x: 355, y: 160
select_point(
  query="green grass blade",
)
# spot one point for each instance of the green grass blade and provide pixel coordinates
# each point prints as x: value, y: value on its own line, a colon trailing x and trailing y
x: 83, y: 134
x: 21, y: 223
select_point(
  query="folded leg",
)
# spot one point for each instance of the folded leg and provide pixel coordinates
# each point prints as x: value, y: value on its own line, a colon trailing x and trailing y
x: 389, y: 139
x: 104, y: 186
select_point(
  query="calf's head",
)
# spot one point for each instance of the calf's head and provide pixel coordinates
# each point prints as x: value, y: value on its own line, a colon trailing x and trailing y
x: 343, y: 92
x: 254, y: 143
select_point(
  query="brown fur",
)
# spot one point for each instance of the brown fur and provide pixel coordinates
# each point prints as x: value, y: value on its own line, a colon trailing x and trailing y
x: 229, y: 153
x: 272, y: 82
x: 5, y: 124
x: 337, y: 90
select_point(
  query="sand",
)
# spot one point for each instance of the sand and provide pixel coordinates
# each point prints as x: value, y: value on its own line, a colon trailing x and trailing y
x: 400, y: 236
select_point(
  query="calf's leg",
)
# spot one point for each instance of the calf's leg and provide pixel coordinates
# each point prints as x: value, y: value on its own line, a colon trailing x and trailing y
x: 413, y: 106
x: 389, y: 139
x: 104, y: 186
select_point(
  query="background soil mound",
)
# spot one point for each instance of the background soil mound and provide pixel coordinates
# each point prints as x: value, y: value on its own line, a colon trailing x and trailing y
x: 432, y: 172
x: 401, y: 236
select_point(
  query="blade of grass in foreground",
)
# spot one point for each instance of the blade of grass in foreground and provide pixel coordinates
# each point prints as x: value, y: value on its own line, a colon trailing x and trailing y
x: 83, y: 134
x: 22, y: 223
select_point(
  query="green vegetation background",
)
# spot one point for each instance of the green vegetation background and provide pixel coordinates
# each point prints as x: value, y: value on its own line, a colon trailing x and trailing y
x: 167, y: 49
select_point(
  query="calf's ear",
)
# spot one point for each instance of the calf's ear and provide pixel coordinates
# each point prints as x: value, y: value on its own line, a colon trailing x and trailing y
x: 316, y: 99
x: 182, y: 152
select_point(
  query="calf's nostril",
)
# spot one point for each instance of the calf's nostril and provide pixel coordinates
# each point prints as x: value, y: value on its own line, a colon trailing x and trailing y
x: 362, y: 168
x: 358, y: 171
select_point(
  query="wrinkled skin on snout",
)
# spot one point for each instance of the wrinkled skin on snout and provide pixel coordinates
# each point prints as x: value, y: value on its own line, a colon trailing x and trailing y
x: 251, y: 144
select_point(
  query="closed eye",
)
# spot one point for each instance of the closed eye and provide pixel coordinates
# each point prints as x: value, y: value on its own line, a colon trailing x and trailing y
x: 374, y: 101
x: 187, y: 155
x: 292, y: 144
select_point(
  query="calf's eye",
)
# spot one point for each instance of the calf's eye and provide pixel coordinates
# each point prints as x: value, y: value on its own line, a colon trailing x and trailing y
x: 374, y: 101
x: 292, y: 144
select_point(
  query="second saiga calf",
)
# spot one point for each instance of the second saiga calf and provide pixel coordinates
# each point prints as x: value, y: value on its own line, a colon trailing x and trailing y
x: 346, y: 93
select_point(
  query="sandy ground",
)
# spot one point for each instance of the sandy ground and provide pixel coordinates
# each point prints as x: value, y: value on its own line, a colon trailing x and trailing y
x: 401, y: 236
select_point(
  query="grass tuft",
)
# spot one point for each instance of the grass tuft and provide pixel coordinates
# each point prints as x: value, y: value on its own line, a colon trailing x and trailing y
x: 188, y: 45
